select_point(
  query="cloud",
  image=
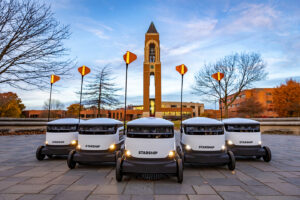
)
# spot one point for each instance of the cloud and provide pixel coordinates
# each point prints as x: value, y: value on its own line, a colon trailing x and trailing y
x: 200, y: 27
x: 249, y: 17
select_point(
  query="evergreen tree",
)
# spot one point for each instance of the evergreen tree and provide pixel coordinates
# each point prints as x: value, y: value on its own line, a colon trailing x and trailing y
x: 100, y: 91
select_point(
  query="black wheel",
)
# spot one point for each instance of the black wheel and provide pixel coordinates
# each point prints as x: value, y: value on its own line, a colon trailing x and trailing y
x: 38, y: 154
x: 268, y: 156
x: 119, y: 174
x: 49, y: 156
x: 258, y: 157
x: 71, y: 163
x: 118, y: 155
x: 179, y: 170
x: 231, y: 164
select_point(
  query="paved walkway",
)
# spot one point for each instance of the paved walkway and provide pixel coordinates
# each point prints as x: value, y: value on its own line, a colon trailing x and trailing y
x: 23, y: 177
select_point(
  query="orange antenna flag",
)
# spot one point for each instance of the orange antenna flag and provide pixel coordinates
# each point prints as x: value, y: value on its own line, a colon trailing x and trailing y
x: 84, y: 70
x: 54, y: 79
x: 129, y: 57
x: 182, y: 69
x: 218, y: 76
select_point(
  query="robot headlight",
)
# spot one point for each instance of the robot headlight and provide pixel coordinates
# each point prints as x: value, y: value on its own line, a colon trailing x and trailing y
x: 73, y: 142
x: 171, y: 154
x: 223, y: 147
x: 188, y: 147
x: 127, y: 153
x: 112, y: 147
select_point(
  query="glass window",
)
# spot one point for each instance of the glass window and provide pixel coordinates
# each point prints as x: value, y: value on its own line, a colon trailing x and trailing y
x: 97, y: 130
x: 204, y: 130
x: 62, y: 128
x: 150, y: 132
x: 242, y: 127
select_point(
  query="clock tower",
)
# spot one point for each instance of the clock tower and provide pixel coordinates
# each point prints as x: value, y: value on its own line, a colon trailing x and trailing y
x: 152, y: 67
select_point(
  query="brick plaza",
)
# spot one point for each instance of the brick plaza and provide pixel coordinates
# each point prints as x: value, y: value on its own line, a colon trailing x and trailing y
x: 23, y: 177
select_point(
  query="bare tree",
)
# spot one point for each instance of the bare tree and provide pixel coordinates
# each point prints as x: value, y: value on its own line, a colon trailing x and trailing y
x: 31, y: 44
x: 101, y: 90
x: 240, y: 72
x: 55, y: 105
x: 56, y: 108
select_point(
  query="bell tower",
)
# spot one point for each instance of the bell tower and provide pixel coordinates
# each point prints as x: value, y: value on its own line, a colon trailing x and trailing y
x: 152, y: 70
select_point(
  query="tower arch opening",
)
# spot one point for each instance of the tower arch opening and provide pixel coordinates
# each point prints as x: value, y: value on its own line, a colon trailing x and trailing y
x: 152, y: 52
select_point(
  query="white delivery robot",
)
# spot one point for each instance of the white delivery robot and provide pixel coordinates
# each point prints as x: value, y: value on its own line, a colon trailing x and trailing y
x: 243, y: 138
x: 150, y: 148
x: 98, y: 141
x: 61, y: 138
x: 203, y: 142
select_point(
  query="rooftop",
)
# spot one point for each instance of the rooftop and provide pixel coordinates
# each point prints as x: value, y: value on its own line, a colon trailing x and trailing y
x: 152, y: 28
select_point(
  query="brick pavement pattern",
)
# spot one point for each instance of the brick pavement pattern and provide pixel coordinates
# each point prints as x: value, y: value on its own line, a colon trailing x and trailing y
x: 23, y: 177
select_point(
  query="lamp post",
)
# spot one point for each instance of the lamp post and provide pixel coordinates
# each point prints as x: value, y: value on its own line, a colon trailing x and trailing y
x: 128, y: 58
x: 53, y: 79
x: 218, y: 77
x: 83, y: 70
x: 182, y: 69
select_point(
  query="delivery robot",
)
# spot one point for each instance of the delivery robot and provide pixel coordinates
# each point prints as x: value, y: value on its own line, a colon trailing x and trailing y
x: 203, y: 142
x: 98, y: 141
x: 61, y: 138
x: 150, y: 148
x: 243, y: 138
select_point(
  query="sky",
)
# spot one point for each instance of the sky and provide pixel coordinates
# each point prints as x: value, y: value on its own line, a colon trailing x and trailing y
x: 192, y: 32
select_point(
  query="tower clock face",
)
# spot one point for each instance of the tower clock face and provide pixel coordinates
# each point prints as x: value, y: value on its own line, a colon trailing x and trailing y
x: 152, y: 67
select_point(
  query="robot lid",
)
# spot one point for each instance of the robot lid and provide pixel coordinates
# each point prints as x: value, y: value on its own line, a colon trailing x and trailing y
x: 63, y: 121
x: 240, y: 121
x: 201, y: 121
x: 150, y: 121
x: 101, y: 121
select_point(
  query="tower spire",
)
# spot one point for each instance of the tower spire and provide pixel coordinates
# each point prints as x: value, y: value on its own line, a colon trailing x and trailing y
x: 152, y: 28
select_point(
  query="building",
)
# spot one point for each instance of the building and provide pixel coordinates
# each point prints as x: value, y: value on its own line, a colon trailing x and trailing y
x: 44, y: 113
x: 263, y: 95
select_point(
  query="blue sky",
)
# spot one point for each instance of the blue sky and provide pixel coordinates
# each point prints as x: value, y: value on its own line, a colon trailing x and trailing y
x: 191, y: 32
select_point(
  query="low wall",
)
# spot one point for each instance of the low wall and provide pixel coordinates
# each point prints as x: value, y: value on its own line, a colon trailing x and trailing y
x: 21, y: 126
x: 280, y: 127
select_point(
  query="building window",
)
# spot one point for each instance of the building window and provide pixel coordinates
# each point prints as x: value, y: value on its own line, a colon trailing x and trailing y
x: 152, y: 53
x: 243, y: 96
x: 184, y: 106
x: 268, y: 94
x: 173, y: 106
x: 268, y: 102
x: 193, y: 107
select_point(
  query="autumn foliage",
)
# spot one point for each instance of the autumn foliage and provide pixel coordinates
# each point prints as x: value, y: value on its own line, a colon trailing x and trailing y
x: 73, y: 110
x: 250, y: 108
x: 10, y: 105
x: 286, y: 99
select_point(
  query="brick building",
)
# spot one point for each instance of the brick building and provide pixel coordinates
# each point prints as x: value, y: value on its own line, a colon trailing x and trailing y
x: 263, y: 95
